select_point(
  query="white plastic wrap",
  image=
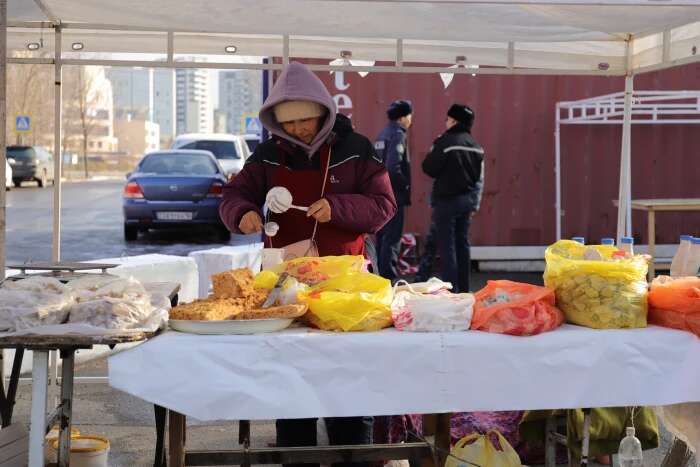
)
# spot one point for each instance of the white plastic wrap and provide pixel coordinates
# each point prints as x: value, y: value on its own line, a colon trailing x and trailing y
x: 34, y: 301
x: 441, y: 311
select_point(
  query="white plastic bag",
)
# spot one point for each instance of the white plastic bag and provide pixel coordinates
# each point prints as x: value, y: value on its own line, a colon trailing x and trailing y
x: 32, y: 302
x: 436, y: 312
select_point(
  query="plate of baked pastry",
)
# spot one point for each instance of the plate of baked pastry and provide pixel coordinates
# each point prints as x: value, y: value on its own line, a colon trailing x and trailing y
x: 235, y: 307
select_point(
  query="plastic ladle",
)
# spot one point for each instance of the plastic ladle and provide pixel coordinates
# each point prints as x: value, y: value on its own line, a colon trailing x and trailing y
x: 279, y: 200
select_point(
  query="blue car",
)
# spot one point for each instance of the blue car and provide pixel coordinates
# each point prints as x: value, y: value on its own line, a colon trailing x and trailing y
x: 174, y: 188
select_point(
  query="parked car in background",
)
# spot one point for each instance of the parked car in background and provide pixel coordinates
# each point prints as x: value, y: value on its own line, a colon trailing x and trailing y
x: 252, y: 140
x: 230, y: 150
x: 8, y: 175
x: 174, y: 189
x: 30, y: 163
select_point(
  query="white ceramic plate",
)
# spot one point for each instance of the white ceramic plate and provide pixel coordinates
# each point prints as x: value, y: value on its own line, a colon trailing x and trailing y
x: 243, y: 326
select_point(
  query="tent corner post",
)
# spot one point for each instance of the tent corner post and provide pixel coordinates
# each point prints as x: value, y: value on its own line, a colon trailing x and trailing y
x: 57, y: 143
x: 557, y: 171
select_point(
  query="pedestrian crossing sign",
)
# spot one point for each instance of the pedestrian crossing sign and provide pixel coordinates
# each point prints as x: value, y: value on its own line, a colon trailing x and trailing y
x: 252, y: 125
x: 22, y: 124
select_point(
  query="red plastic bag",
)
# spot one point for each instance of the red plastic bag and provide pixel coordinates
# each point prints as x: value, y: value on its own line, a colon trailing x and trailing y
x: 675, y: 303
x: 514, y: 308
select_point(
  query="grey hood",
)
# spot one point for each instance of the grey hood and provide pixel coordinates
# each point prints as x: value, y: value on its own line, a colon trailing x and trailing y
x: 298, y: 83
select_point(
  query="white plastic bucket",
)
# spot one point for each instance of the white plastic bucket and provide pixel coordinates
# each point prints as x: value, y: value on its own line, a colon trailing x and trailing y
x: 88, y: 451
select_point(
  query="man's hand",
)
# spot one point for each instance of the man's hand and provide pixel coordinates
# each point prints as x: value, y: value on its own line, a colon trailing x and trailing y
x: 320, y: 210
x: 250, y: 223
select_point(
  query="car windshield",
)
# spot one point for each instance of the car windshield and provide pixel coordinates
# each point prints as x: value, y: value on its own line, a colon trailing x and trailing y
x: 220, y: 149
x: 178, y: 164
x: 252, y: 144
x: 21, y: 152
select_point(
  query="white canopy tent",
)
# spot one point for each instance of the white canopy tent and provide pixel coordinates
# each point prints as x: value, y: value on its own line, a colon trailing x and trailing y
x: 647, y: 108
x: 583, y: 37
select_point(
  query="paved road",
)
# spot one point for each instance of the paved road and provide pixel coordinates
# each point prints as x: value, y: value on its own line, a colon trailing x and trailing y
x: 92, y: 225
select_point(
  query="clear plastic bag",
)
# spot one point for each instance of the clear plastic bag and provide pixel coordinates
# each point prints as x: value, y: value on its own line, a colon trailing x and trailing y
x: 24, y: 309
x: 599, y: 294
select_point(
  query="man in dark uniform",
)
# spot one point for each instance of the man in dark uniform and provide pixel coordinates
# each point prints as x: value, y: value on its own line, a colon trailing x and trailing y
x: 456, y: 163
x: 391, y: 146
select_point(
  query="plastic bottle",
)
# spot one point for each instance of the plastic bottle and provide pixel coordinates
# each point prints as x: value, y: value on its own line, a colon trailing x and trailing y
x: 580, y: 240
x: 627, y: 245
x: 681, y: 256
x: 692, y: 264
x: 630, y: 452
x: 607, y: 241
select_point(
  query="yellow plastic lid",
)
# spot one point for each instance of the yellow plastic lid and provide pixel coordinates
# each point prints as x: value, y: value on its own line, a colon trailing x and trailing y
x: 53, y: 434
x: 86, y: 444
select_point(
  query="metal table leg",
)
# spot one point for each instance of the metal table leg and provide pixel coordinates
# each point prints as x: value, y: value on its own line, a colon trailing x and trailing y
x: 8, y: 400
x: 586, y: 437
x: 67, y: 373
x: 178, y: 428
x: 161, y: 418
x: 37, y: 428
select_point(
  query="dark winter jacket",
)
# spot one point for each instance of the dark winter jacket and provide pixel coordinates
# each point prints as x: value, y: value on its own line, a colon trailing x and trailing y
x: 391, y: 146
x: 456, y: 162
x: 359, y: 190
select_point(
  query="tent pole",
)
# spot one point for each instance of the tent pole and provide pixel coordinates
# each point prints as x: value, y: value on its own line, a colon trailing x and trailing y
x: 57, y: 156
x: 3, y: 132
x: 557, y: 171
x: 624, y: 209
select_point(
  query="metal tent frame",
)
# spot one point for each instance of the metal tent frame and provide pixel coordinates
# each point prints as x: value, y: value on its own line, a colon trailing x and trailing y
x: 623, y: 108
x: 661, y: 42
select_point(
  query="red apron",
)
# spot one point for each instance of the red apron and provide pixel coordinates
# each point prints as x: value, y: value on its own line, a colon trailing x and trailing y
x: 306, y: 187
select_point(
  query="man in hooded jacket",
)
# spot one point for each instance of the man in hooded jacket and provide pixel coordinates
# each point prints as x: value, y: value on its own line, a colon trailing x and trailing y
x: 456, y: 162
x: 326, y: 166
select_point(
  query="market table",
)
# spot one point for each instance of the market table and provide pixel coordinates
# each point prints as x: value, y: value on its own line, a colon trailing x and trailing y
x: 652, y: 206
x: 300, y: 373
x: 66, y: 344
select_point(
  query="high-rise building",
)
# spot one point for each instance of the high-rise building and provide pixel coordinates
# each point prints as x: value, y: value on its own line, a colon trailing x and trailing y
x: 240, y: 95
x: 194, y: 109
x: 133, y: 92
x: 164, y: 104
x: 145, y: 94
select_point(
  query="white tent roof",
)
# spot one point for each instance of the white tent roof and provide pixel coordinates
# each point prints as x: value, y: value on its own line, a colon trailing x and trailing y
x: 579, y: 36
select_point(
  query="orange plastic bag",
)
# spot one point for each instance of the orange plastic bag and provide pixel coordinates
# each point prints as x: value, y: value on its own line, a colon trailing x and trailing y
x: 514, y: 308
x: 675, y: 303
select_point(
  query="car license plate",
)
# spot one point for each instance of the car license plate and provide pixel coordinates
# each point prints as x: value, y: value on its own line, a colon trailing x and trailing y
x: 174, y: 216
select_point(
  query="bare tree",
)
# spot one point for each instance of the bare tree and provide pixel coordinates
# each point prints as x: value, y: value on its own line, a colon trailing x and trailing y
x: 29, y: 93
x: 81, y: 109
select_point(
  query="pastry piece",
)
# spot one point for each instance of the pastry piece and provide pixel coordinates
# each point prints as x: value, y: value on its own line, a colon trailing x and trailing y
x: 274, y: 312
x: 236, y: 283
x: 208, y: 309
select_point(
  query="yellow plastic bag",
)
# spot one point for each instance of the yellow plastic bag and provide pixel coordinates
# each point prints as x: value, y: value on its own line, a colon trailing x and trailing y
x: 477, y: 449
x: 599, y: 294
x: 312, y: 270
x: 352, y: 302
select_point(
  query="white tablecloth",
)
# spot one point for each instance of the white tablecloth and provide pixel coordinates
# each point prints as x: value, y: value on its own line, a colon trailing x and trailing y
x: 303, y: 373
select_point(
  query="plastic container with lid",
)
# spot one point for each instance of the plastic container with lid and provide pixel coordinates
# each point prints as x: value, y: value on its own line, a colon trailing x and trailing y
x: 607, y: 241
x: 580, y: 240
x: 627, y: 245
x: 87, y: 451
x: 51, y: 436
x: 681, y: 256
x: 692, y: 263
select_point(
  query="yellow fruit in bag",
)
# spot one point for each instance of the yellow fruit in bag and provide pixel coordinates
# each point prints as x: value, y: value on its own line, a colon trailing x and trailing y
x: 351, y: 302
x: 605, y: 294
